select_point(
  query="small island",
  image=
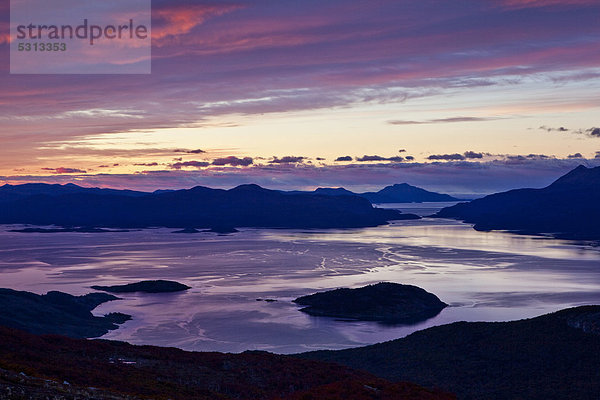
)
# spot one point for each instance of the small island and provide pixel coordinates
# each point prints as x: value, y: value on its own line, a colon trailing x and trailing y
x: 69, y: 230
x: 187, y: 230
x: 157, y: 286
x: 221, y: 230
x: 57, y: 313
x: 388, y: 303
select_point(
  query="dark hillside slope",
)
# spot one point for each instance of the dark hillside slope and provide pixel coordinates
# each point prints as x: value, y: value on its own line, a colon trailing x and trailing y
x: 568, y: 208
x: 555, y: 356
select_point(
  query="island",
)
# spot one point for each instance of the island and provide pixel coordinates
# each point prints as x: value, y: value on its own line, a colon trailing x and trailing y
x: 222, y: 230
x: 385, y: 302
x: 187, y: 230
x: 405, y: 193
x: 155, y: 286
x: 57, y: 313
x: 68, y: 230
x: 221, y: 211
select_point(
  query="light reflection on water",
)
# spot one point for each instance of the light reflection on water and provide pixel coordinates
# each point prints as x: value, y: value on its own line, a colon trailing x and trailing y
x: 483, y: 276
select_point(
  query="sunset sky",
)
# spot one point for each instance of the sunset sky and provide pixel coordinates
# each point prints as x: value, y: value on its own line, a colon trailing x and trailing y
x: 469, y: 96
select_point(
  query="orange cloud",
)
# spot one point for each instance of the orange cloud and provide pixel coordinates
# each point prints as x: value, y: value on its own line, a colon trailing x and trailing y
x: 181, y: 19
x: 4, y: 33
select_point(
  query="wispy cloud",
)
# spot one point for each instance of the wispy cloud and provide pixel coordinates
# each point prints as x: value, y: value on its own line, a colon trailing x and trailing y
x: 343, y: 158
x: 63, y: 170
x: 366, y: 158
x: 550, y: 129
x: 442, y: 120
x: 170, y: 20
x: 447, y: 157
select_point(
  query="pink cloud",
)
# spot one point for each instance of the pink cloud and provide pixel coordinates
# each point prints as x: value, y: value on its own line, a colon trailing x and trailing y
x: 63, y: 170
x: 233, y: 161
x: 183, y: 18
x: 295, y: 56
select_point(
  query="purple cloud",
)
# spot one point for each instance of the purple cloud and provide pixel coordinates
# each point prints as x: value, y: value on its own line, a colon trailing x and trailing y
x: 195, y: 164
x: 196, y: 151
x: 63, y: 170
x: 287, y: 160
x: 549, y: 129
x: 366, y: 158
x: 472, y: 155
x: 440, y: 120
x: 275, y: 46
x: 593, y: 132
x: 470, y: 177
x: 446, y: 157
x: 233, y: 161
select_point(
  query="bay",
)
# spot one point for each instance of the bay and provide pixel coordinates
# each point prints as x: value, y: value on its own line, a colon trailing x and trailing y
x: 484, y: 276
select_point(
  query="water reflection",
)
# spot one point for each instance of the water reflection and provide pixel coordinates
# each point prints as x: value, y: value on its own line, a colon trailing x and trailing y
x: 483, y: 276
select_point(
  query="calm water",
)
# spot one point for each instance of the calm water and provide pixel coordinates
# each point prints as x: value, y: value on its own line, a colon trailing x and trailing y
x: 483, y: 276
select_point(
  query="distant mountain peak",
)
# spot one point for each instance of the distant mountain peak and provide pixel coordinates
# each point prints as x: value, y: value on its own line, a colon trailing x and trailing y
x: 340, y: 191
x: 405, y: 193
x: 249, y: 187
x: 578, y: 177
x: 568, y: 208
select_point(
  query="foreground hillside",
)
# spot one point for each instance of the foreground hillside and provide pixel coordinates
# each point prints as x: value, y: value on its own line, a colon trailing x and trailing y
x: 555, y: 356
x: 41, y: 367
x: 568, y: 208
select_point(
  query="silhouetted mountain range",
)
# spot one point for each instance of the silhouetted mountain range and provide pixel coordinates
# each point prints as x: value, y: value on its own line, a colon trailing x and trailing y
x: 399, y: 193
x: 199, y: 207
x: 17, y: 192
x: 568, y: 208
